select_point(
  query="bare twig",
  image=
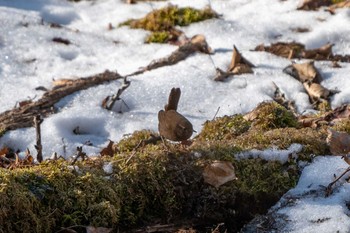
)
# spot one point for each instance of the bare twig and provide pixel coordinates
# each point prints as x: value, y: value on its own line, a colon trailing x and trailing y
x: 329, y: 187
x: 79, y: 153
x: 38, y: 146
x: 216, y: 113
x: 109, y: 101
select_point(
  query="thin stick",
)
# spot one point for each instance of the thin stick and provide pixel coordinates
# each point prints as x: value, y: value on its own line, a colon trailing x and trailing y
x: 109, y: 101
x: 216, y: 113
x: 38, y: 146
x: 329, y: 187
x: 212, y: 61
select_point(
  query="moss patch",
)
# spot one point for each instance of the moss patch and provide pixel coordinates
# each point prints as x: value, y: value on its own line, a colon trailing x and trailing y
x: 161, y: 184
x: 152, y: 186
x: 161, y: 21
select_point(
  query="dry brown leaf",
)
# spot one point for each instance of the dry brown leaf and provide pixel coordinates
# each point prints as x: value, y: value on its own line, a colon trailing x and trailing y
x: 252, y: 115
x: 236, y: 58
x: 307, y: 72
x: 91, y: 229
x: 339, y: 142
x: 282, y: 49
x: 109, y: 150
x: 322, y: 53
x: 242, y: 69
x: 239, y: 65
x: 316, y: 91
x: 340, y: 113
x: 201, y: 44
x: 218, y: 173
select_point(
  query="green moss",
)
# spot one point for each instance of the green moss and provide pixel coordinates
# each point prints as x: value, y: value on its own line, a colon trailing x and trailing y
x: 161, y: 21
x: 324, y: 106
x: 271, y: 115
x: 224, y: 128
x: 342, y: 125
x: 158, y: 37
x: 271, y: 126
x: 168, y: 17
x: 130, y: 142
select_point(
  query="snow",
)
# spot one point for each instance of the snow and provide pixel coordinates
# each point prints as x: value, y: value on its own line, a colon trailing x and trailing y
x: 273, y: 153
x: 30, y: 59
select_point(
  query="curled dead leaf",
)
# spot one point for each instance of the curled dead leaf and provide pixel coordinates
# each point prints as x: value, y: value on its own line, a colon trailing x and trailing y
x: 307, y: 72
x: 322, y: 53
x: 218, y: 173
x: 201, y: 44
x: 339, y: 142
x: 316, y: 91
x: 283, y: 49
x: 239, y: 64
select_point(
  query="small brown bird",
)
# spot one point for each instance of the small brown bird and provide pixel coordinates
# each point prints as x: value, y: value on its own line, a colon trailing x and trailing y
x: 172, y: 125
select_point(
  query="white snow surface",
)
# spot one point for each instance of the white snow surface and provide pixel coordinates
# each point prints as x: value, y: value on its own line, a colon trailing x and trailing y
x: 30, y: 59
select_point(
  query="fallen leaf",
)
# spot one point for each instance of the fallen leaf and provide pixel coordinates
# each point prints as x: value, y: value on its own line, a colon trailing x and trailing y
x: 201, y: 44
x: 282, y: 49
x: 322, y: 53
x: 109, y: 150
x: 339, y: 142
x: 304, y: 72
x: 91, y: 229
x: 239, y: 64
x: 316, y: 91
x: 341, y: 112
x: 221, y: 75
x: 218, y: 173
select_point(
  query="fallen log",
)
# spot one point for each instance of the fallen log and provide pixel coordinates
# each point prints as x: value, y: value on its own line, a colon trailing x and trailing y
x: 22, y: 116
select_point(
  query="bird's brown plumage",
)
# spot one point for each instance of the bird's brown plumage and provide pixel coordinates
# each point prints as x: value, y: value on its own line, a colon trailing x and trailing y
x: 172, y: 125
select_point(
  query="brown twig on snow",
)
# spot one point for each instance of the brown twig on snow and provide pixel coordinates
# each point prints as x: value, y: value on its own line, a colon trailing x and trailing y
x: 329, y: 187
x: 22, y: 117
x: 38, y: 146
x: 109, y: 101
x: 196, y: 44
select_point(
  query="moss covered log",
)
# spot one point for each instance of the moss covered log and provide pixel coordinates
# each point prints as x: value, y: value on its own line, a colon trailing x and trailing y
x: 158, y: 183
